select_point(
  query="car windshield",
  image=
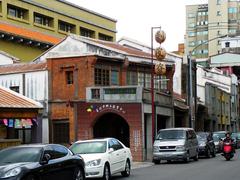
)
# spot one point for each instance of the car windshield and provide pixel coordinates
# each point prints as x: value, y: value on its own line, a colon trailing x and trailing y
x: 20, y: 154
x: 201, y: 137
x: 171, y: 134
x: 234, y: 135
x: 217, y: 136
x: 89, y: 147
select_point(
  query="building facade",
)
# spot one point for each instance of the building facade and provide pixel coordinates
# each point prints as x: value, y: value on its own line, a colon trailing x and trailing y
x: 36, y: 25
x: 206, y: 22
x: 30, y: 80
x: 218, y: 100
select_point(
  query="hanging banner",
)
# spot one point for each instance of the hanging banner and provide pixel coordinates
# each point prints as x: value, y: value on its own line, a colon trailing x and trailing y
x: 5, y: 122
x: 18, y: 123
x: 10, y: 123
x: 29, y: 122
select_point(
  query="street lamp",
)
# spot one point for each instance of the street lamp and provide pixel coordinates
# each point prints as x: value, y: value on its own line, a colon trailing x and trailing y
x: 191, y: 102
x: 160, y: 54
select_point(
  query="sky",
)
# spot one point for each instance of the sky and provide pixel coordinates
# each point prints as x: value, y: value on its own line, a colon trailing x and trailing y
x: 136, y: 17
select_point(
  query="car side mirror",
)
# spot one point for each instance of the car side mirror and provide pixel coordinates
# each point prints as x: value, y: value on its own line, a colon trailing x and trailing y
x: 45, y: 159
x: 111, y: 150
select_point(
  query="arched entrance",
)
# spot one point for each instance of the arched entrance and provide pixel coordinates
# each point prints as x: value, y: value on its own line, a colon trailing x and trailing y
x: 112, y: 125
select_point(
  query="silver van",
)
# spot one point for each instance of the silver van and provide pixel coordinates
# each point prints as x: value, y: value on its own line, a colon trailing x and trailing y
x: 175, y: 144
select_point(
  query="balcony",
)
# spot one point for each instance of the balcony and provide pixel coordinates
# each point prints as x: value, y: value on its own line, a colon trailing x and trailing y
x: 127, y: 94
x: 114, y: 94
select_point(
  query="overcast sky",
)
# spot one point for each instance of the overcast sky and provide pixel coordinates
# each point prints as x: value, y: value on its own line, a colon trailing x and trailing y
x: 136, y: 17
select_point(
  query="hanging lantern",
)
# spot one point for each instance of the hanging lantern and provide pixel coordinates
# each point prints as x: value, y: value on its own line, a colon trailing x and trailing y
x: 160, y: 53
x: 160, y: 36
x: 160, y: 69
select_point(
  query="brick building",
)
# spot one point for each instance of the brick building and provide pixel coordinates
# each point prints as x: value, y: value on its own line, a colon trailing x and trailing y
x: 95, y: 96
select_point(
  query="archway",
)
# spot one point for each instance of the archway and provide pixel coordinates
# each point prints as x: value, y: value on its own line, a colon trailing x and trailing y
x: 112, y: 125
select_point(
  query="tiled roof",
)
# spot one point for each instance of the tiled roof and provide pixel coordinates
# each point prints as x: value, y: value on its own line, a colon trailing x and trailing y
x: 22, y: 67
x: 27, y: 33
x: 11, y: 99
x: 128, y: 50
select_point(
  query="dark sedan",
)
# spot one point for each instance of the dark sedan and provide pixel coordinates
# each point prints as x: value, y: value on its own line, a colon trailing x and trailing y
x: 40, y: 162
x: 206, y: 146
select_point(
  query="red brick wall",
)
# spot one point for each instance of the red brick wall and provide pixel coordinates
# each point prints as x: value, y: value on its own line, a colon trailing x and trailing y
x: 82, y: 67
x: 132, y: 115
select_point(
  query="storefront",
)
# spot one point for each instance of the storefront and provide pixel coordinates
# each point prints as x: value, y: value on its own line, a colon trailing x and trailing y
x: 20, y: 121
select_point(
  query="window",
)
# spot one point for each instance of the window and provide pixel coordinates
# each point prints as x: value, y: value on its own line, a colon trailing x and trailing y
x: 17, y: 12
x: 132, y: 78
x: 114, y: 77
x: 163, y: 82
x: 101, y: 76
x: 141, y: 79
x: 148, y: 80
x: 69, y: 77
x: 87, y: 32
x: 219, y: 2
x: 191, y: 25
x: 66, y: 27
x: 59, y: 151
x: 15, y: 88
x: 95, y: 93
x: 218, y: 13
x: 232, y: 31
x: 43, y: 20
x: 191, y: 15
x: 192, y: 43
x: 105, y: 37
x: 0, y: 6
x: 232, y: 10
x: 191, y: 34
x: 227, y: 44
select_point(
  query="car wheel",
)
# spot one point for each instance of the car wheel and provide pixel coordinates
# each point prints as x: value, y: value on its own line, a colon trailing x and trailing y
x: 186, y: 159
x: 106, y: 172
x: 196, y: 157
x: 78, y: 174
x: 127, y: 170
x: 156, y: 161
x: 214, y: 153
x: 208, y: 153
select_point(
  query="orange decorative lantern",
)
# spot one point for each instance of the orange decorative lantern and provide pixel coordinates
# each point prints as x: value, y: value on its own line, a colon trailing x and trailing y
x: 160, y: 53
x: 160, y: 69
x: 160, y: 36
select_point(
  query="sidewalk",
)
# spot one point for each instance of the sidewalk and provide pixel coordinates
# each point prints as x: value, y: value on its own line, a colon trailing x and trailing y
x: 137, y: 165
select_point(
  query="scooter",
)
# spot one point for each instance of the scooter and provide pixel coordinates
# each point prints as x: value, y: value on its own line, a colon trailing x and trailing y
x: 227, y: 150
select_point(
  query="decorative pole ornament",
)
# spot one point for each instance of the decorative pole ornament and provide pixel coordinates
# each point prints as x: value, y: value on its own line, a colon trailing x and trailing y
x: 160, y: 36
x: 160, y: 54
x: 160, y: 68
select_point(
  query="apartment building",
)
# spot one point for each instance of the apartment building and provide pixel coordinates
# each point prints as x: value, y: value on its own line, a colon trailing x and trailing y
x: 206, y: 22
x: 36, y: 25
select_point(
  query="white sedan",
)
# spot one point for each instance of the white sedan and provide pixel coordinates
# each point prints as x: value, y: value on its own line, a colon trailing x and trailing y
x: 104, y: 157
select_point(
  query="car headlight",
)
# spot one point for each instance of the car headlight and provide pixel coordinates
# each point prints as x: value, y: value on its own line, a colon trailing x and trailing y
x: 93, y: 163
x: 202, y: 144
x: 180, y: 148
x: 155, y: 148
x: 12, y: 173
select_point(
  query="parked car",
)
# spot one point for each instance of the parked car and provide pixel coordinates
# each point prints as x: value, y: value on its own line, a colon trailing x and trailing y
x: 206, y: 146
x: 104, y: 157
x: 218, y: 136
x: 175, y: 144
x: 34, y: 162
x: 236, y: 137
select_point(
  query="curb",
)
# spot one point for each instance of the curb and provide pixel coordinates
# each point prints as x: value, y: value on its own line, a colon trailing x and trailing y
x: 137, y: 165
